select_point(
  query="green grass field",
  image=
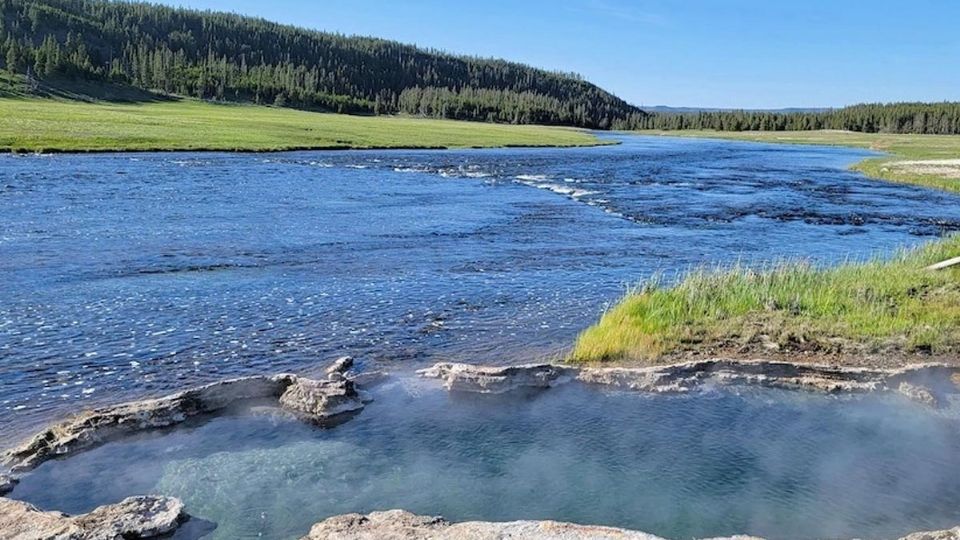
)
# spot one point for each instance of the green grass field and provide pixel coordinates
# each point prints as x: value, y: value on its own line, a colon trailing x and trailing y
x: 876, y: 312
x: 901, y: 147
x: 55, y: 125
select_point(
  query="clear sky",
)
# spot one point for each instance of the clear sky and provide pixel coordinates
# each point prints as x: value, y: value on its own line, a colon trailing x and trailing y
x: 707, y: 53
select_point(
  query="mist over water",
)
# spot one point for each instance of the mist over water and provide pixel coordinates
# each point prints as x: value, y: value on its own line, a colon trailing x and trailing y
x: 127, y: 275
x: 784, y: 465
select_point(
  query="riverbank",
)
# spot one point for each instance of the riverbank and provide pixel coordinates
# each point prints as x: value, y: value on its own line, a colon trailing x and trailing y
x: 879, y: 313
x: 56, y: 125
x: 923, y: 160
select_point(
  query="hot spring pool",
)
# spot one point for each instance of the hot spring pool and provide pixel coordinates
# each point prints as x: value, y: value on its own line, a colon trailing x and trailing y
x: 772, y: 463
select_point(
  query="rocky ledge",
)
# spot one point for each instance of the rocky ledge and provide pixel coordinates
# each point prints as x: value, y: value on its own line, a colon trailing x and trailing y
x: 324, y: 402
x: 136, y: 517
x: 926, y: 383
x: 402, y: 525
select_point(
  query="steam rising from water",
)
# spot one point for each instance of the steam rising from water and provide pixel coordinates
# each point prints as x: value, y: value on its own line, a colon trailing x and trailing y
x: 772, y: 463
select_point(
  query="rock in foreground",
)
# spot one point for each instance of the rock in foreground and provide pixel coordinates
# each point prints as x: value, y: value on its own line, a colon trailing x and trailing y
x: 136, y: 517
x: 403, y: 525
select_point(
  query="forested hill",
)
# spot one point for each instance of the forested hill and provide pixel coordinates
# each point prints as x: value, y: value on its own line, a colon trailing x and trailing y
x: 223, y: 56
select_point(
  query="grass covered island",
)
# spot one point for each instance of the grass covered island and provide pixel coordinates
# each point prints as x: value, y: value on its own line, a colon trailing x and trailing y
x: 884, y: 312
x: 29, y: 124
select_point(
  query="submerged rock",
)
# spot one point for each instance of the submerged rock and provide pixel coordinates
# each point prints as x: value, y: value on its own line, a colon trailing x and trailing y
x: 135, y: 517
x: 917, y: 393
x: 916, y: 382
x: 498, y: 380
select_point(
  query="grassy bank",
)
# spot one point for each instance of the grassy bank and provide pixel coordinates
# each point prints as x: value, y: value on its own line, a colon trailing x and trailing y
x: 882, y: 312
x: 890, y: 307
x: 55, y: 125
x: 926, y: 160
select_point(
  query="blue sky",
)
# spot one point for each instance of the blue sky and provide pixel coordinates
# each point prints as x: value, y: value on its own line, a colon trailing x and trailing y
x: 708, y: 53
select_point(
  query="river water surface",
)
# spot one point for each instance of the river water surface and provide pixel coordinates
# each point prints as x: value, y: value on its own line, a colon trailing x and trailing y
x: 124, y: 275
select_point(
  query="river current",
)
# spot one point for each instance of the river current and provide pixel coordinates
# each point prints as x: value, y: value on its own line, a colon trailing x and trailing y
x: 126, y: 275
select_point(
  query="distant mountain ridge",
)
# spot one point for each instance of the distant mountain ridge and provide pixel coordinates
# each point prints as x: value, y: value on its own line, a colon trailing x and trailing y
x: 223, y: 56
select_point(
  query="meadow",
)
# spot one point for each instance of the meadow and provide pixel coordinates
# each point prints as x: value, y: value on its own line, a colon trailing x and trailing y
x: 59, y: 125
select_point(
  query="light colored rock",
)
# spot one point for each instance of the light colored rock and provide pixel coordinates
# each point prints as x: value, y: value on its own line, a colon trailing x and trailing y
x: 341, y: 366
x: 136, y: 517
x: 323, y: 402
x: 917, y: 393
x: 403, y: 525
x: 497, y: 380
x: 686, y: 376
x: 94, y: 427
x: 7, y: 483
x: 948, y: 534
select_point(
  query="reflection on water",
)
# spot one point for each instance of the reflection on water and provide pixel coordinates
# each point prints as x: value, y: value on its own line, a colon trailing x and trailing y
x: 772, y: 463
x: 132, y: 274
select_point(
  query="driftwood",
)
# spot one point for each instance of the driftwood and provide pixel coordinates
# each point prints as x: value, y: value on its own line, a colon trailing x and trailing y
x: 945, y: 264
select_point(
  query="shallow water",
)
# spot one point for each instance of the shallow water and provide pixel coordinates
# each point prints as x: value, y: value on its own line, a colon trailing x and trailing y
x: 130, y: 274
x: 780, y: 464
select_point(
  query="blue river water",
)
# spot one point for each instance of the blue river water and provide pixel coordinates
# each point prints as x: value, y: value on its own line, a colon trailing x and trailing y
x: 125, y: 275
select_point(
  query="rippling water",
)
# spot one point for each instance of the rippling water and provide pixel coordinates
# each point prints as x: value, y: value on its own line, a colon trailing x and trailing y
x: 130, y: 274
x: 777, y: 464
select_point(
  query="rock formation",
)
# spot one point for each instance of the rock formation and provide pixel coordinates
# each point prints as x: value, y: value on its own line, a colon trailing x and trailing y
x: 136, y: 517
x: 497, y: 380
x: 317, y: 401
x: 948, y: 534
x: 403, y: 525
x: 922, y: 383
x: 7, y: 483
x: 325, y: 402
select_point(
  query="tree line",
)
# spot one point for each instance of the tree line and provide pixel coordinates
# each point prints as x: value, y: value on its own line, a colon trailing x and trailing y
x: 917, y: 118
x: 221, y: 56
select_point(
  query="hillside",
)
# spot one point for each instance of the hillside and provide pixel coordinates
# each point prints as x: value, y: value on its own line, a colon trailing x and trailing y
x: 229, y: 57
